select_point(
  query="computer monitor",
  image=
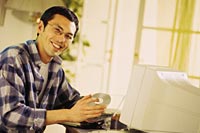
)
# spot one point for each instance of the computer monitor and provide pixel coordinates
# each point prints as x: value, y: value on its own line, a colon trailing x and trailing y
x: 160, y: 99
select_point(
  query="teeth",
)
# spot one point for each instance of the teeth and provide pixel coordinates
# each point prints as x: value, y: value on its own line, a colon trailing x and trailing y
x: 57, y: 46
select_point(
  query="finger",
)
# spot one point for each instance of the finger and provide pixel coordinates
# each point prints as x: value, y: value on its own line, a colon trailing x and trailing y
x: 95, y: 107
x: 92, y: 100
x: 93, y: 115
x: 85, y: 98
x: 89, y: 99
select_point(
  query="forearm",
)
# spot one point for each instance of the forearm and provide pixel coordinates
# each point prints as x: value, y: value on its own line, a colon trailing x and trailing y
x: 57, y: 116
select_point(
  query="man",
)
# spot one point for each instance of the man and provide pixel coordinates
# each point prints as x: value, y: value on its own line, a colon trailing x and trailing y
x: 34, y: 91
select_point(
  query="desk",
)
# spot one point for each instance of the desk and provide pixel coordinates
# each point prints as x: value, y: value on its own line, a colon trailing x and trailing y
x: 76, y: 130
x: 116, y: 127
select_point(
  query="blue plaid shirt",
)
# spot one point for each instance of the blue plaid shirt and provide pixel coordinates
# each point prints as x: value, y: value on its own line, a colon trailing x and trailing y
x: 20, y: 108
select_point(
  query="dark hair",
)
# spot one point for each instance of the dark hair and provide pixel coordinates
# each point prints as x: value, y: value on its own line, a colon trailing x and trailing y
x: 50, y: 12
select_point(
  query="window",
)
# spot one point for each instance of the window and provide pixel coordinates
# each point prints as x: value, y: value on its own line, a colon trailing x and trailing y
x: 168, y: 35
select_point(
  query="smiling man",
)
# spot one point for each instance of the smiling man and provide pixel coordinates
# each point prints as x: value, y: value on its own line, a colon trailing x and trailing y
x: 34, y: 91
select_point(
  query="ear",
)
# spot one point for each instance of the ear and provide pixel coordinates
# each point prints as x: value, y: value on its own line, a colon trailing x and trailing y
x: 40, y: 27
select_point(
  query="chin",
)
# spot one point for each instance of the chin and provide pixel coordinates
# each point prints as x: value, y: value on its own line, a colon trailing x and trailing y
x: 57, y: 53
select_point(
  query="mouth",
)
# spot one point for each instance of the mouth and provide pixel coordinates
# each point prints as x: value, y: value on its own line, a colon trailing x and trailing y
x: 56, y: 46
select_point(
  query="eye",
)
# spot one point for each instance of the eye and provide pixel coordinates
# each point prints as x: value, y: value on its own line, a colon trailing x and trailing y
x: 68, y: 37
x: 58, y: 31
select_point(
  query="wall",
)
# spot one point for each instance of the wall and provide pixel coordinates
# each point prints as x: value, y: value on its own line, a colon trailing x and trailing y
x: 123, y: 49
x: 14, y: 31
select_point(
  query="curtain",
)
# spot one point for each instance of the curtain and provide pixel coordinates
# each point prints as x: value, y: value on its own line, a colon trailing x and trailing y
x: 181, y: 36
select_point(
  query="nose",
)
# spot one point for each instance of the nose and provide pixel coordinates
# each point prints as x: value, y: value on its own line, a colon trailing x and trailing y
x: 62, y: 39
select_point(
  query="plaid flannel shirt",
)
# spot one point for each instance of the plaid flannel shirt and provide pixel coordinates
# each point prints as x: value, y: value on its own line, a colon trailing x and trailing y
x: 20, y: 108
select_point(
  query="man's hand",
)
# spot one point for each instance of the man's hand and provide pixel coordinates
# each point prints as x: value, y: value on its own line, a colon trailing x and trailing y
x: 83, y: 110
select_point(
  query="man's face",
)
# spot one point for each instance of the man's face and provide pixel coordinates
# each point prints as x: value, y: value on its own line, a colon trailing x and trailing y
x: 55, y: 37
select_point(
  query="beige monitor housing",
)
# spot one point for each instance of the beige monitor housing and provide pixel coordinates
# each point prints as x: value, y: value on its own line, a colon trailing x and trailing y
x: 160, y: 99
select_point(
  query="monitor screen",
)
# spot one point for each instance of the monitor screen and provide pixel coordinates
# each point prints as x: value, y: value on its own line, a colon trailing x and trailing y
x: 160, y: 99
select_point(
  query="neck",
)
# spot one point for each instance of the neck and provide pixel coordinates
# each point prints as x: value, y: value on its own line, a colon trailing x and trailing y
x: 44, y: 57
x: 45, y: 60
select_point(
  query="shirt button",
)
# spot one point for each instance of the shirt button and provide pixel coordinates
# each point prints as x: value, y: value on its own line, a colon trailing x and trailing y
x: 31, y: 128
x: 37, y: 121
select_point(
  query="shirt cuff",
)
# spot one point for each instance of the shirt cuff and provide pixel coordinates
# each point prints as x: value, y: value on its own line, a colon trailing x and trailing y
x: 39, y: 119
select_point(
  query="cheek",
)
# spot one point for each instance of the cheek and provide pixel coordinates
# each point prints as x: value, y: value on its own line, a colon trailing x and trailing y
x: 47, y: 35
x: 50, y: 36
x: 44, y: 37
x: 65, y: 47
x: 67, y: 44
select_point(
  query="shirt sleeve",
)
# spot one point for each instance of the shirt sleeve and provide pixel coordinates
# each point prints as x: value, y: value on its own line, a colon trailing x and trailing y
x: 67, y: 95
x: 14, y: 109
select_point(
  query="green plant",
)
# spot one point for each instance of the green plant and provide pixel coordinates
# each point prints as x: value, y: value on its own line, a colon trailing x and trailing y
x: 69, y: 55
x: 77, y: 7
